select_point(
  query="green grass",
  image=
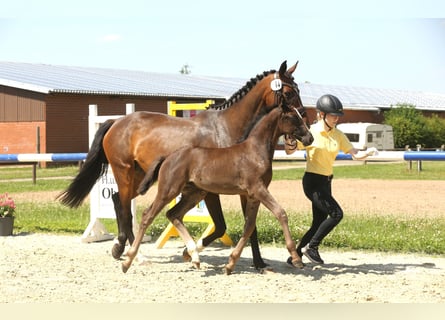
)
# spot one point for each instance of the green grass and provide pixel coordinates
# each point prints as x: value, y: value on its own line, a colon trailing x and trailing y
x: 25, y: 172
x: 356, y: 231
x: 379, y: 233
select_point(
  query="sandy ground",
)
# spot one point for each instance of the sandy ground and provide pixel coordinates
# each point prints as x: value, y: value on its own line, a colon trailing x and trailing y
x: 54, y: 268
x: 50, y: 268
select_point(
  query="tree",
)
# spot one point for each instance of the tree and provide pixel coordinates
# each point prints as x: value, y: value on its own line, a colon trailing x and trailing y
x: 435, y: 131
x: 408, y: 125
x: 185, y: 69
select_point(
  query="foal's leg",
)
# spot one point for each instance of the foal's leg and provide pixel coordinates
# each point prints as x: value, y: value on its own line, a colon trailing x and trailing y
x: 270, y: 203
x: 190, y: 196
x: 258, y: 261
x: 147, y: 218
x: 249, y: 226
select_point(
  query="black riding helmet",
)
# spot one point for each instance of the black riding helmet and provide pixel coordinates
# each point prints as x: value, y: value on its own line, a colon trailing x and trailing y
x: 330, y: 104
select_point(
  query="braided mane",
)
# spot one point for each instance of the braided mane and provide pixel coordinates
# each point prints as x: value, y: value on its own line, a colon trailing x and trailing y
x: 237, y: 96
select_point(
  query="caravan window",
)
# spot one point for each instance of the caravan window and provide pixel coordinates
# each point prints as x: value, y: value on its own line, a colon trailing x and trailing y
x: 370, y: 137
x: 353, y: 137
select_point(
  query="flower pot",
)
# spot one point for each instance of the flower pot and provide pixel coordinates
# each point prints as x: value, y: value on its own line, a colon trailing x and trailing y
x: 6, y: 226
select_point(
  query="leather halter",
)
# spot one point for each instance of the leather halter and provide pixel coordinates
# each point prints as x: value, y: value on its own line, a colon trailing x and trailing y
x: 279, y: 94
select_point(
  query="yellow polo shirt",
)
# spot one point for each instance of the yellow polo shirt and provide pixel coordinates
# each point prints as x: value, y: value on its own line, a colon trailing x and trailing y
x: 321, y: 154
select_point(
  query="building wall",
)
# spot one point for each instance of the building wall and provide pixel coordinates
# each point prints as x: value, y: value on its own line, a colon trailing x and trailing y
x: 22, y: 137
x: 67, y: 116
x: 21, y: 105
x: 22, y: 113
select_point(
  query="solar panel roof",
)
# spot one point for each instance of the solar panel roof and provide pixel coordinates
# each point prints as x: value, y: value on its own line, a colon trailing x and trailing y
x: 47, y: 78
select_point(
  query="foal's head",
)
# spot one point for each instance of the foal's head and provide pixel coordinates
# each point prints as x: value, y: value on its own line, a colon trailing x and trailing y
x: 294, y: 126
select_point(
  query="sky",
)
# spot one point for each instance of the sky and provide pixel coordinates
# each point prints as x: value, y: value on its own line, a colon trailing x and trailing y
x: 378, y: 44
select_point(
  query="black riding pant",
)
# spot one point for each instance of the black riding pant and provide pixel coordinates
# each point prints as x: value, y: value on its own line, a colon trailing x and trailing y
x: 326, y: 212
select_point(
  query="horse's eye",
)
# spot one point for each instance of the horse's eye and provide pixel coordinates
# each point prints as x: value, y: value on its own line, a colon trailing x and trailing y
x: 289, y: 94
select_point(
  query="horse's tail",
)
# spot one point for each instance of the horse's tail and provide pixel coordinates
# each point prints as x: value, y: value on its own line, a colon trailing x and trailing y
x: 151, y: 176
x: 95, y: 166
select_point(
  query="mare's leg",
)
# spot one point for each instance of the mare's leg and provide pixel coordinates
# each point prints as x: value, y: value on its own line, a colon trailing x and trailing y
x: 213, y: 205
x: 258, y: 261
x: 249, y: 226
x: 122, y: 206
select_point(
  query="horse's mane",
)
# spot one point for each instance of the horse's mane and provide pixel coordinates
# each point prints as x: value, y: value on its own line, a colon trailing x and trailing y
x: 237, y: 96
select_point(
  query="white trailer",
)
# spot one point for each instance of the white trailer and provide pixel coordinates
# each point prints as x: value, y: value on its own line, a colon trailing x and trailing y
x: 365, y: 135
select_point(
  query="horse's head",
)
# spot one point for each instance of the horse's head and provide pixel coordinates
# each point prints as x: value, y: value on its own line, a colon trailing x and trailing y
x: 294, y: 126
x: 284, y: 90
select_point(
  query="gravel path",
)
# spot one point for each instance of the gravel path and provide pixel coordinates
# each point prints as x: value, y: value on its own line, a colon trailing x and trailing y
x: 54, y: 268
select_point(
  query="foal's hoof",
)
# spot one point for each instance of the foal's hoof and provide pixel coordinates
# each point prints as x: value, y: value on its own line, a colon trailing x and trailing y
x: 297, y: 263
x: 125, y: 267
x: 186, y: 256
x: 197, y: 265
x: 117, y: 250
x: 227, y: 271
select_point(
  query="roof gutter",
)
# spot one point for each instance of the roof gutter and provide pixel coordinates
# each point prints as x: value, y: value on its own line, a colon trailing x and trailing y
x: 24, y: 86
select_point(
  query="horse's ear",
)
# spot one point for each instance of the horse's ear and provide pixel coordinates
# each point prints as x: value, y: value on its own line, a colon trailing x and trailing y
x: 292, y: 69
x: 283, y: 68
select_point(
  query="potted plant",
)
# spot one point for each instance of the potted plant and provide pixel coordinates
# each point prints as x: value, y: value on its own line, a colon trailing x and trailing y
x: 7, y: 209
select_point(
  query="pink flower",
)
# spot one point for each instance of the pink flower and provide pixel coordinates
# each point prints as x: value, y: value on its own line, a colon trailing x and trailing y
x: 7, y: 205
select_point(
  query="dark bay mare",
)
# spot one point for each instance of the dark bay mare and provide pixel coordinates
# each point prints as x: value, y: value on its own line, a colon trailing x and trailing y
x: 130, y: 144
x: 244, y: 169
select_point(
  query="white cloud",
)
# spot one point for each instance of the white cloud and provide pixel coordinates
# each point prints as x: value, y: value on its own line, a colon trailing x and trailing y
x: 113, y: 37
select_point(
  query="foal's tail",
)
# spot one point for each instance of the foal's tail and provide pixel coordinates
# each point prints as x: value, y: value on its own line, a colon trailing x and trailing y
x: 95, y: 166
x: 151, y: 176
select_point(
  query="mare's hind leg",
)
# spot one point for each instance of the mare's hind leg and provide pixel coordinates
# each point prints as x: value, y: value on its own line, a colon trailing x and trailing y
x: 258, y: 261
x: 124, y: 224
x: 122, y: 205
x: 117, y: 249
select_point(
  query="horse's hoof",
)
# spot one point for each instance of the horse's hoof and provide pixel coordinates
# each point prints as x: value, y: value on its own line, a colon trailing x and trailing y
x: 227, y: 271
x: 260, y: 265
x: 197, y: 265
x: 266, y: 270
x: 125, y: 267
x: 297, y: 263
x: 117, y: 251
x: 186, y: 256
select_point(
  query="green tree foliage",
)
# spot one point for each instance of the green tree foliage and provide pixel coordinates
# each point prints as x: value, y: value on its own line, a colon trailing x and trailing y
x: 185, y: 69
x: 407, y: 123
x: 411, y: 127
x: 435, y: 131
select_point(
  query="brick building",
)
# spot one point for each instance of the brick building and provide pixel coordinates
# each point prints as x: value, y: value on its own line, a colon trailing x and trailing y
x: 44, y: 108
